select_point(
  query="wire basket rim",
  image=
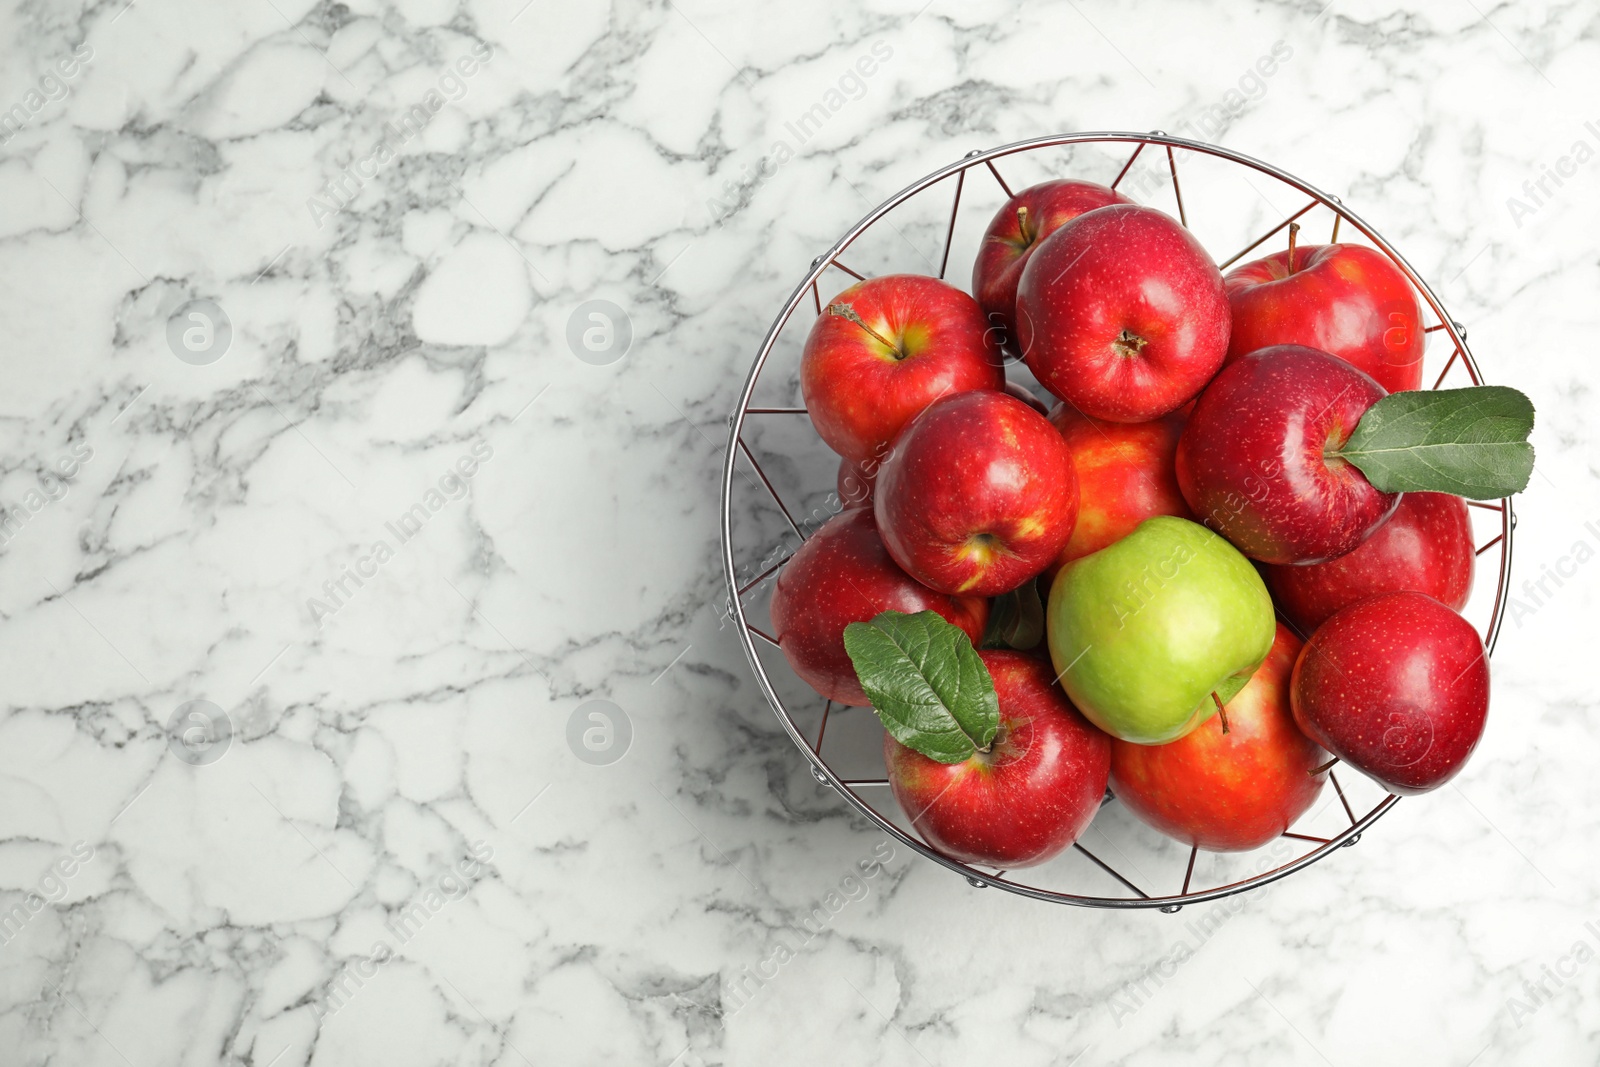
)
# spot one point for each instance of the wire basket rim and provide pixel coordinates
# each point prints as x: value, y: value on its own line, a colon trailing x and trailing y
x: 820, y: 769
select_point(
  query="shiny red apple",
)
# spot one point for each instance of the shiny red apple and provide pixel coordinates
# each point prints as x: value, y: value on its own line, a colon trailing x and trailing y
x: 1122, y: 314
x: 1234, y: 791
x: 886, y: 348
x: 1029, y: 796
x: 1347, y: 300
x: 1253, y: 461
x: 978, y: 495
x: 1016, y: 230
x: 842, y: 575
x: 1426, y: 546
x: 1397, y: 686
x: 1125, y: 476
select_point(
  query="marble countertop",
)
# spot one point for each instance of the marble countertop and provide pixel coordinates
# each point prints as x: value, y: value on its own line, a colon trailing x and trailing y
x: 366, y: 368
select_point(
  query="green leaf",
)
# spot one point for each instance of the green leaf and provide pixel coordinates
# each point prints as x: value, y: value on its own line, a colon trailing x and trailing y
x: 1471, y: 442
x: 926, y: 683
x: 1016, y: 619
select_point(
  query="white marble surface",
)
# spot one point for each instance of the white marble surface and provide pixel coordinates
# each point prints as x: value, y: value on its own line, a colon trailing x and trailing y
x: 398, y: 859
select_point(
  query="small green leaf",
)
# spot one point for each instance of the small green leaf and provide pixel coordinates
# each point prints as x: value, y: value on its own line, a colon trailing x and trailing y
x: 926, y: 683
x: 1016, y: 619
x: 1471, y: 442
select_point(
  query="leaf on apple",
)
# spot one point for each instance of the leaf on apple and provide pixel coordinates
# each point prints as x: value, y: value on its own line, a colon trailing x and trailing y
x: 1016, y: 619
x: 1471, y: 442
x: 926, y: 682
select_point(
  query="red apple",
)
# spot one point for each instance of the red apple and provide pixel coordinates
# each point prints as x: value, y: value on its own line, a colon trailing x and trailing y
x: 843, y: 575
x: 1347, y: 300
x: 886, y: 348
x: 1029, y: 796
x: 978, y: 495
x: 1397, y: 686
x: 1253, y: 462
x: 1234, y: 791
x: 1025, y: 220
x: 1122, y: 314
x: 1426, y: 546
x: 1125, y: 476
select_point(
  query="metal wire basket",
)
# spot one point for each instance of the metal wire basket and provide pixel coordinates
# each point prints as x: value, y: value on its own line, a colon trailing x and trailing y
x: 1119, y: 862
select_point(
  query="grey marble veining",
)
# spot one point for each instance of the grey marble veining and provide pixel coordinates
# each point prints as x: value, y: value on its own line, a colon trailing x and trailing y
x: 309, y: 429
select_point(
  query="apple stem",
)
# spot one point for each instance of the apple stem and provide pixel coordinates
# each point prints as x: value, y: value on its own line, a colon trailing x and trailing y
x: 845, y: 311
x: 1313, y: 772
x: 1022, y: 225
x: 1129, y: 343
x: 1294, y: 233
x: 1222, y: 712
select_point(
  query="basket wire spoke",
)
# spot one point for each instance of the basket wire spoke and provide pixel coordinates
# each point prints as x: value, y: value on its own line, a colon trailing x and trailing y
x: 749, y: 632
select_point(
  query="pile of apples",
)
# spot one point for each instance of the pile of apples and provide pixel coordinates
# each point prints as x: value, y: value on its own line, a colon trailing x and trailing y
x: 1215, y: 568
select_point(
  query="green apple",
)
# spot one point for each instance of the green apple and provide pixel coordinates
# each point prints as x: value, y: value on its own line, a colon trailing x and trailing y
x: 1146, y: 629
